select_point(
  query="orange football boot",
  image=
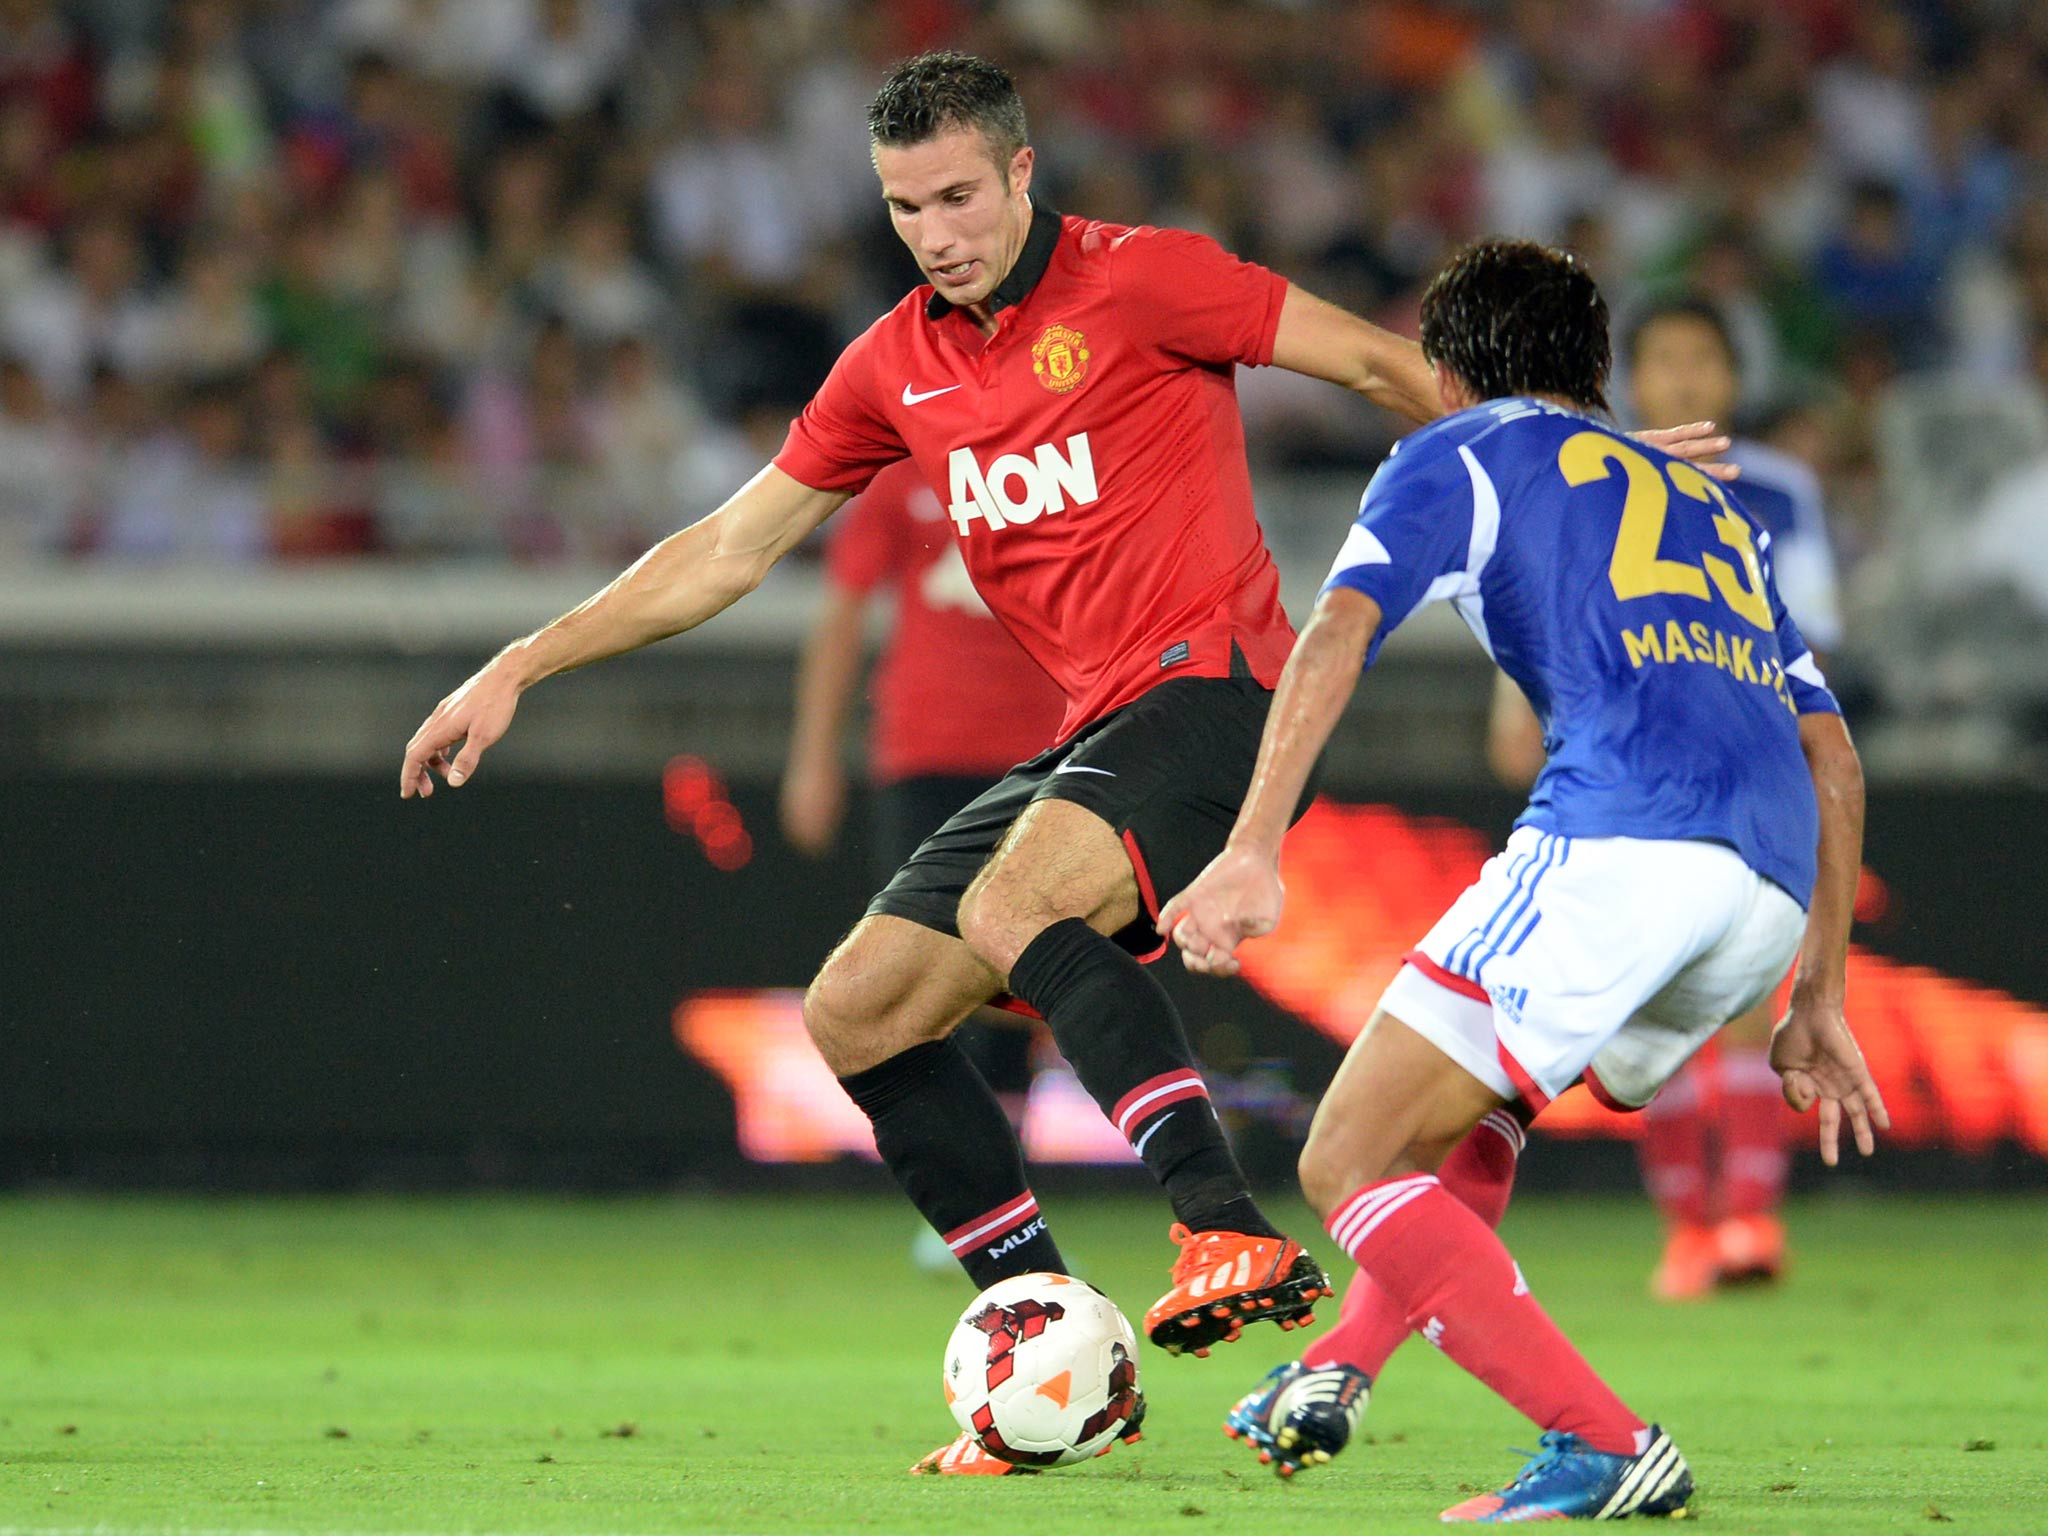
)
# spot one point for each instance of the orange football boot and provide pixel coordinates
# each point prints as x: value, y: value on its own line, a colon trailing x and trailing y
x: 1690, y: 1267
x: 1750, y: 1248
x: 1223, y: 1280
x: 964, y: 1458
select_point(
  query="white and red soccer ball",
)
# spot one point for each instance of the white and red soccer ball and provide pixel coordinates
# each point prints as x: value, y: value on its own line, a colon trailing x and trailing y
x: 1042, y: 1370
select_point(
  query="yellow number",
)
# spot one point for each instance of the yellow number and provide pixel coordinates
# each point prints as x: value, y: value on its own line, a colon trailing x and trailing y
x: 1744, y: 593
x: 1636, y: 569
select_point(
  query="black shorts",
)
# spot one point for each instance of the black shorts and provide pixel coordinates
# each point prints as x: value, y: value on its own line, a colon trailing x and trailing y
x: 905, y: 812
x: 1168, y: 772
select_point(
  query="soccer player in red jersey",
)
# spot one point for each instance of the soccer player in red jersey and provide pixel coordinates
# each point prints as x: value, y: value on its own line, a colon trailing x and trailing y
x: 1067, y: 386
x: 956, y: 704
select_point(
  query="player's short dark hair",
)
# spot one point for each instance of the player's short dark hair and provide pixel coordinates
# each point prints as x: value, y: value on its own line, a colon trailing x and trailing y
x: 935, y: 93
x: 1511, y: 317
x: 1680, y: 306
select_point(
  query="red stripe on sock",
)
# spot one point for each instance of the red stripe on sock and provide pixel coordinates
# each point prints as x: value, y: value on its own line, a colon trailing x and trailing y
x: 1154, y: 1094
x: 991, y: 1223
x: 1464, y: 986
x: 1370, y: 1326
x: 1146, y: 893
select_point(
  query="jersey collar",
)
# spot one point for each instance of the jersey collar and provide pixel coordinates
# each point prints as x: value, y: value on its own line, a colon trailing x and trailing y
x: 1040, y: 241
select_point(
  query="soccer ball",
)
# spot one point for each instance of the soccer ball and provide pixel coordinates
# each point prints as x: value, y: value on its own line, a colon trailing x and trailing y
x: 1042, y: 1370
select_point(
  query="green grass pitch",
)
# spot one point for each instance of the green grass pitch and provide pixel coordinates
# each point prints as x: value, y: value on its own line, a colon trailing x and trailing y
x: 771, y: 1365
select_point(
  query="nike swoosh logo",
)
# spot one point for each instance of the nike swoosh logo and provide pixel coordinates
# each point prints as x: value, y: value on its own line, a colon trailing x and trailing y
x: 912, y: 397
x: 1140, y: 1147
x: 1083, y: 768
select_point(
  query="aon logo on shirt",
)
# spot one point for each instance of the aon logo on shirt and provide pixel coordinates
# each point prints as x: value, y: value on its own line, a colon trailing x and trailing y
x: 1017, y: 489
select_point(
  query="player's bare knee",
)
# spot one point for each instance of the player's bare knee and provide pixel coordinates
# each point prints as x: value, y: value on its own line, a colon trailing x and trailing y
x: 854, y: 1018
x: 1326, y: 1176
x: 992, y: 926
x: 831, y: 1016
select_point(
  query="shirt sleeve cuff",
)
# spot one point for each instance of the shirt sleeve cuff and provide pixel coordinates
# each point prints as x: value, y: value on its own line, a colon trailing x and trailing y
x: 1269, y: 328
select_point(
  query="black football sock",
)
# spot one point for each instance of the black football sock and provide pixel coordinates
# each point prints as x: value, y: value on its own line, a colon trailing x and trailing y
x: 1118, y: 1030
x: 1001, y: 1053
x: 944, y: 1136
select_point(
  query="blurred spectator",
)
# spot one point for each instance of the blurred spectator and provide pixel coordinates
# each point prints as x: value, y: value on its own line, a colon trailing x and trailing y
x: 36, y: 466
x: 596, y: 284
x: 213, y: 323
x: 528, y: 278
x: 655, y: 444
x: 1872, y: 101
x: 728, y: 200
x: 1877, y: 274
x: 191, y: 493
x: 92, y: 309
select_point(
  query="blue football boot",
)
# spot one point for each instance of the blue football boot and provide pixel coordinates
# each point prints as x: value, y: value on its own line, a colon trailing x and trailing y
x: 1300, y: 1416
x: 1569, y: 1480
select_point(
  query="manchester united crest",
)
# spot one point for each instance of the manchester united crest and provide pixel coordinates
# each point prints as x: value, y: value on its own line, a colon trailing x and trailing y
x: 1060, y: 359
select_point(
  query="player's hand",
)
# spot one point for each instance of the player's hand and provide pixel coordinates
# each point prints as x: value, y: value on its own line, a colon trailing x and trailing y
x: 1237, y: 897
x: 1820, y: 1063
x: 1699, y: 443
x: 476, y: 715
x: 813, y: 806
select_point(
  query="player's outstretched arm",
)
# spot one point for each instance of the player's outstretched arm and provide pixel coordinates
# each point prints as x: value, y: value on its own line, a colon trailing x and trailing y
x: 1321, y: 340
x: 677, y: 585
x: 1813, y: 1050
x: 1325, y: 342
x: 813, y: 780
x: 1239, y: 895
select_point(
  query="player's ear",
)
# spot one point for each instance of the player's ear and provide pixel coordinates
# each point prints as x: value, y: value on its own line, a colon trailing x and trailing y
x: 1452, y: 392
x: 1020, y: 167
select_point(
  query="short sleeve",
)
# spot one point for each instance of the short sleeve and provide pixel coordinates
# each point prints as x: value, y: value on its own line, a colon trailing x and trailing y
x: 1182, y: 295
x: 842, y: 440
x: 1805, y: 567
x: 1413, y: 540
x: 869, y: 543
x: 1809, y: 688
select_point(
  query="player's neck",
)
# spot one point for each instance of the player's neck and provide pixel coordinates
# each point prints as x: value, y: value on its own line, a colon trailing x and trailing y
x: 984, y: 313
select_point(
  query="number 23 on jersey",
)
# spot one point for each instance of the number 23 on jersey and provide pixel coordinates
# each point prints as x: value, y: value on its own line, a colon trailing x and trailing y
x: 1638, y: 567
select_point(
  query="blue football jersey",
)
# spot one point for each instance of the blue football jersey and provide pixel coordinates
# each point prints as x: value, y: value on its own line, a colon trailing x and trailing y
x: 1783, y: 496
x: 1631, y: 598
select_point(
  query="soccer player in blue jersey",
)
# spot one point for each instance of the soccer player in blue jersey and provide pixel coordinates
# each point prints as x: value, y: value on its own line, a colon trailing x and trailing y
x: 1714, y: 1148
x: 1698, y: 825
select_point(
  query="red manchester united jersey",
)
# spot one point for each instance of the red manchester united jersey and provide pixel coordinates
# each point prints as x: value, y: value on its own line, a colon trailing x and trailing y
x: 1089, y: 454
x: 953, y: 693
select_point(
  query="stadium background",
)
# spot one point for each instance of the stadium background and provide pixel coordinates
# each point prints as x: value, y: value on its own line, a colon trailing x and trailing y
x: 459, y: 1167
x: 338, y: 342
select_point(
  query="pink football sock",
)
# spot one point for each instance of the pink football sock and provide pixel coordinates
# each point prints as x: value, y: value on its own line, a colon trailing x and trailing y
x: 1456, y: 1285
x: 1752, y: 1120
x: 1481, y: 1172
x: 1673, y: 1151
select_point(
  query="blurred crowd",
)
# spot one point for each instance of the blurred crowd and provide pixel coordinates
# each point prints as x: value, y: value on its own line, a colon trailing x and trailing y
x: 543, y: 279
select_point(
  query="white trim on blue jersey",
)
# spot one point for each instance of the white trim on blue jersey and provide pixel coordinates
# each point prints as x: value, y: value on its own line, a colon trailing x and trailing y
x: 1804, y: 555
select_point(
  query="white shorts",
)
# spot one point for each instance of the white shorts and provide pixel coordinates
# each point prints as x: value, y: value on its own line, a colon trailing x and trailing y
x: 1608, y: 958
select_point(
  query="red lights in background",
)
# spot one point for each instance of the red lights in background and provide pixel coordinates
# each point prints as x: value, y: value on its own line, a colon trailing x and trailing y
x: 1962, y: 1066
x: 695, y: 804
x: 789, y: 1108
